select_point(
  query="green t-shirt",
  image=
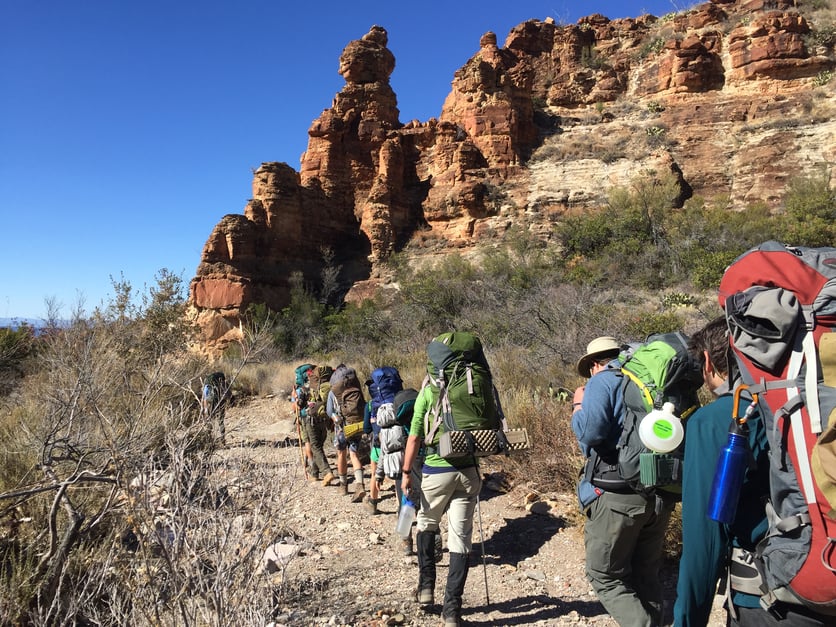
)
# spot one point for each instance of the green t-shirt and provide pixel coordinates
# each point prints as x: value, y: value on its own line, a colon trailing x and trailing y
x: 424, y: 405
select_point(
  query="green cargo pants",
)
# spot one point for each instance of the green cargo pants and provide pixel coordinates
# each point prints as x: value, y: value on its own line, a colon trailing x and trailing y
x: 624, y: 537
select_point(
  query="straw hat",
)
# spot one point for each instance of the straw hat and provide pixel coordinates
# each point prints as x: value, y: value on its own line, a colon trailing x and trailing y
x: 596, y: 348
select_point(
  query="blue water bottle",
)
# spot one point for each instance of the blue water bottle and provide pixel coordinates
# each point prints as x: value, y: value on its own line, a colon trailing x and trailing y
x: 728, y: 477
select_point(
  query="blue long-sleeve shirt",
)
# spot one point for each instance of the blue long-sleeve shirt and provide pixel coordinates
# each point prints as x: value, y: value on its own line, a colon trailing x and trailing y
x: 597, y: 424
x: 706, y: 543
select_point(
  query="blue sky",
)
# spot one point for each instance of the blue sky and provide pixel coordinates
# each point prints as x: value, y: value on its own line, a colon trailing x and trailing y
x: 128, y: 129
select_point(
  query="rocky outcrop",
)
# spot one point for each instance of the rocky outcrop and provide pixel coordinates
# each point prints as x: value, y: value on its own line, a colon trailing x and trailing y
x: 731, y: 96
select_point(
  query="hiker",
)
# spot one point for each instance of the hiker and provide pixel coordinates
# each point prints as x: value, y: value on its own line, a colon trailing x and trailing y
x: 345, y: 407
x: 314, y: 420
x: 382, y: 386
x: 706, y: 544
x: 624, y: 530
x: 301, y: 386
x: 446, y: 486
x: 213, y: 401
x: 371, y: 429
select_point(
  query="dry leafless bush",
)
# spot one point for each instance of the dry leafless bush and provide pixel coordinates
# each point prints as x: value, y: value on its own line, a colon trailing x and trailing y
x: 553, y: 462
x: 117, y: 508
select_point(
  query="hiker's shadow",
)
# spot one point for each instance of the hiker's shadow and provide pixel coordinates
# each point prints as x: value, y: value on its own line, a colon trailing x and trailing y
x: 520, y: 538
x: 533, y: 608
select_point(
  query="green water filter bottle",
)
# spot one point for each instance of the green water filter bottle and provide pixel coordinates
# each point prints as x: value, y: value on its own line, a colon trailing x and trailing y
x: 660, y: 430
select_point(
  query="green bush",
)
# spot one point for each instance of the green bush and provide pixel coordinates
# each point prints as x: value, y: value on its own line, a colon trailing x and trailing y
x: 643, y: 324
x: 811, y: 211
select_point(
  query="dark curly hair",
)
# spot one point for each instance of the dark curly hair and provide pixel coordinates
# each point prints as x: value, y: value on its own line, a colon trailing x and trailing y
x: 713, y: 338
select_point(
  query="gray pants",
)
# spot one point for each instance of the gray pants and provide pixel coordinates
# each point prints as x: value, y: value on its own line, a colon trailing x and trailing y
x: 624, y: 537
x: 454, y: 492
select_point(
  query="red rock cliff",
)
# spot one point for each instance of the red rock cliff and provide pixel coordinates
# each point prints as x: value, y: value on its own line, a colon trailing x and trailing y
x: 732, y: 96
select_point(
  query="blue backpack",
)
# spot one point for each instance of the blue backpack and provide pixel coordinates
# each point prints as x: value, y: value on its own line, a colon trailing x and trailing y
x: 384, y: 383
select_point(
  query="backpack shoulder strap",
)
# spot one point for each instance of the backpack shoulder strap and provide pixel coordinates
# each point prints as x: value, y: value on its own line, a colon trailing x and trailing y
x: 437, y: 410
x: 645, y: 391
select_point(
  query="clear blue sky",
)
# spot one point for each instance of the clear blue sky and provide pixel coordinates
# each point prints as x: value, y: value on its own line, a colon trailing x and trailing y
x: 128, y: 129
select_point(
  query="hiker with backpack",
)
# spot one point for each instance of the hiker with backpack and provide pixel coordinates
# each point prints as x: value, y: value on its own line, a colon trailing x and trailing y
x: 312, y: 399
x: 779, y: 306
x: 458, y: 396
x: 706, y: 543
x: 624, y: 530
x: 345, y: 407
x: 213, y: 401
x: 300, y: 385
x: 382, y: 385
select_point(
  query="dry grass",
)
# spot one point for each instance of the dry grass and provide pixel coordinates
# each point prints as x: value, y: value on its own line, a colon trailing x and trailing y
x: 554, y: 459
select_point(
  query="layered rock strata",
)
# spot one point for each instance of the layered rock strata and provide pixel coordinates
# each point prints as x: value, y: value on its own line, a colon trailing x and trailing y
x: 733, y: 97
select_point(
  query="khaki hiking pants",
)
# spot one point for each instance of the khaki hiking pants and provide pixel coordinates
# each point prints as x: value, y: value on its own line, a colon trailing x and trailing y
x: 453, y: 492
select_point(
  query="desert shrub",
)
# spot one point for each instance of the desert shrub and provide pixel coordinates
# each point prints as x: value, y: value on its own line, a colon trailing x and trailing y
x: 437, y: 293
x: 258, y: 379
x: 810, y: 211
x: 119, y: 510
x: 553, y: 462
x: 357, y: 326
x: 646, y: 323
x: 656, y: 244
x: 823, y: 78
x: 16, y: 347
x: 655, y: 107
x: 631, y: 229
x: 654, y: 46
x: 300, y: 328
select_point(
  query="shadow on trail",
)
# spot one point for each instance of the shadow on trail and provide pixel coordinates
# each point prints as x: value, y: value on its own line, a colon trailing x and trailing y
x: 528, y: 609
x: 518, y: 539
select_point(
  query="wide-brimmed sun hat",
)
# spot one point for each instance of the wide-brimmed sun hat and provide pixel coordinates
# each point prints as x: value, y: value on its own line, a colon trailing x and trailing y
x: 596, y: 348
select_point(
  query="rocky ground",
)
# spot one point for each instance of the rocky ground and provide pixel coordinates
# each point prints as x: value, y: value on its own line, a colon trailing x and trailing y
x: 346, y: 566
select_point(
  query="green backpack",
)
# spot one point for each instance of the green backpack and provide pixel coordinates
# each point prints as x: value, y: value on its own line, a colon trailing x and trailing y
x: 463, y: 394
x: 660, y: 370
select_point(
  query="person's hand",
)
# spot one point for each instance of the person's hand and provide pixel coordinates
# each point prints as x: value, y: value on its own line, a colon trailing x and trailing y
x: 406, y: 482
x: 577, y: 399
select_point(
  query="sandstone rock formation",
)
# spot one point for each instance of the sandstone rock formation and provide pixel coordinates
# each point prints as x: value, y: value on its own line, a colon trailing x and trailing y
x: 732, y: 96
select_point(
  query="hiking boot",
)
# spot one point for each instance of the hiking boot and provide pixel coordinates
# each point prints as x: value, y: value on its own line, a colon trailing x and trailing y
x: 425, y: 596
x: 344, y: 488
x: 371, y: 505
x: 358, y: 496
x: 327, y: 479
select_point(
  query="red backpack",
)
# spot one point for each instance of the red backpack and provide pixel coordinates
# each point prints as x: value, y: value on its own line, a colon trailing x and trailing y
x: 780, y: 305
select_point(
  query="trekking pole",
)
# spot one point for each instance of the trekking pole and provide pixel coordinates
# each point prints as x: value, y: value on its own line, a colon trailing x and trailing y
x: 484, y: 561
x: 482, y: 535
x: 299, y: 437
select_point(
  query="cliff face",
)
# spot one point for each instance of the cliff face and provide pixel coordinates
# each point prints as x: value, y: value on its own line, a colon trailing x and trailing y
x: 731, y: 96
